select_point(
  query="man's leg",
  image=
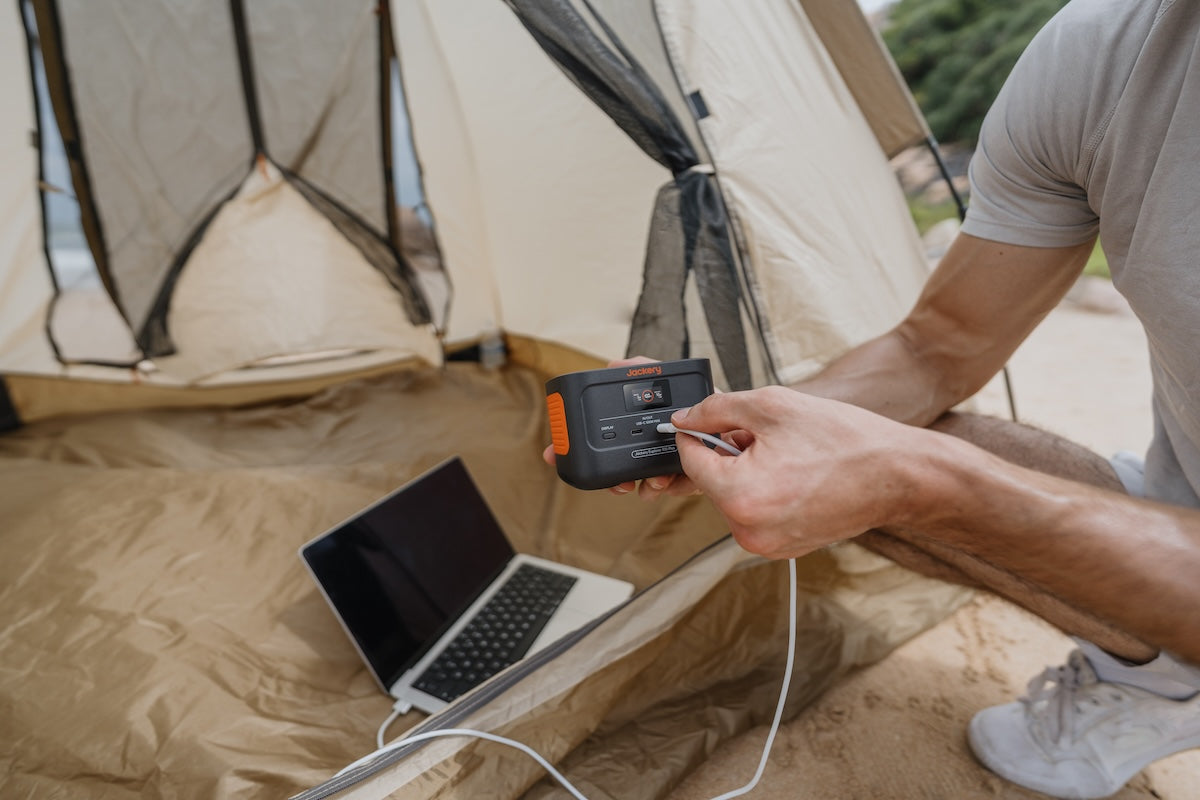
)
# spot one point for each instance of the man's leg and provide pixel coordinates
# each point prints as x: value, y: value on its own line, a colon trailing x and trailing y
x: 1068, y: 736
x: 1034, y: 449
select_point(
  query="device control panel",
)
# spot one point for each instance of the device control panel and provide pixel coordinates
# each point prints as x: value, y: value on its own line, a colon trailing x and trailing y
x: 603, y: 422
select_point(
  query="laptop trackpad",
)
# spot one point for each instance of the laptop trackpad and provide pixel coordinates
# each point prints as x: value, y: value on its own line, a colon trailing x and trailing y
x: 587, y: 600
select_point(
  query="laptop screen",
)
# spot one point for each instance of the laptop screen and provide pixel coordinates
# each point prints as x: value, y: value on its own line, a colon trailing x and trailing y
x: 400, y: 572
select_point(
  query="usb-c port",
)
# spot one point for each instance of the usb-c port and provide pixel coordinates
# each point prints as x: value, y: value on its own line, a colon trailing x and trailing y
x: 636, y: 432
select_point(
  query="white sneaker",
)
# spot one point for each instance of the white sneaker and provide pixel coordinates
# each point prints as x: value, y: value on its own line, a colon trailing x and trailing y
x: 1074, y: 736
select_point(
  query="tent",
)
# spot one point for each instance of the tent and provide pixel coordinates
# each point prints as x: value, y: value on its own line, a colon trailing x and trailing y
x: 262, y: 262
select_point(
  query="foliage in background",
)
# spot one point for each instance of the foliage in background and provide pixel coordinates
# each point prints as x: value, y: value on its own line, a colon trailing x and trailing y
x: 1097, y: 263
x: 955, y: 55
x: 926, y: 214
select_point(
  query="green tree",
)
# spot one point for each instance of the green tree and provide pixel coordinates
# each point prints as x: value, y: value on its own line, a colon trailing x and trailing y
x: 955, y: 55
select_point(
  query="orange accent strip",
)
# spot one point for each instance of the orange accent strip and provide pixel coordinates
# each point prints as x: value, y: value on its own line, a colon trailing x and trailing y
x: 558, y: 424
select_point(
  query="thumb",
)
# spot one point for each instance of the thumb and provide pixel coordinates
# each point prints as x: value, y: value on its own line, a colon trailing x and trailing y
x: 715, y: 414
x: 720, y: 413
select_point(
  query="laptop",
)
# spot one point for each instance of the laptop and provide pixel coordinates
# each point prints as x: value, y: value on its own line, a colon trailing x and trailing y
x: 434, y: 597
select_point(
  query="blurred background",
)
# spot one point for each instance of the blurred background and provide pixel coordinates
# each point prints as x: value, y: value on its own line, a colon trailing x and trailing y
x: 955, y: 56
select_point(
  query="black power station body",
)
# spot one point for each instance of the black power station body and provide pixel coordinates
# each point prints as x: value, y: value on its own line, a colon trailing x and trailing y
x: 603, y: 422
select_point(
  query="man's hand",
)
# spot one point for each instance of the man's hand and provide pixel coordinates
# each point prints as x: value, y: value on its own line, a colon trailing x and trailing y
x: 815, y: 471
x: 812, y: 472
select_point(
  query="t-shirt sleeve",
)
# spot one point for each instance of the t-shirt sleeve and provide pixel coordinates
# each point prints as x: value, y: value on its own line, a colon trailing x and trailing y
x: 1029, y: 168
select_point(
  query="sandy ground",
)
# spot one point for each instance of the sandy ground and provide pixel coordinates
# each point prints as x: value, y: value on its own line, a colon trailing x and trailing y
x: 897, y: 729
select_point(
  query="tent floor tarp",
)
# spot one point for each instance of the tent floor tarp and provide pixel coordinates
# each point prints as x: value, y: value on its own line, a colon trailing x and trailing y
x: 159, y: 636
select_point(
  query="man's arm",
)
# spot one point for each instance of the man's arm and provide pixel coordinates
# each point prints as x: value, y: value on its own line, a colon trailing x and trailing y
x: 978, y: 305
x: 815, y: 472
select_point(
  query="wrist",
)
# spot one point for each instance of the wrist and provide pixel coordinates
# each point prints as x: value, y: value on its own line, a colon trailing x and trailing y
x: 909, y: 395
x: 965, y: 496
x: 942, y: 482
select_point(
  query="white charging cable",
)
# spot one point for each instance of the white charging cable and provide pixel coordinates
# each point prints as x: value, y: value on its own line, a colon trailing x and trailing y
x: 558, y: 776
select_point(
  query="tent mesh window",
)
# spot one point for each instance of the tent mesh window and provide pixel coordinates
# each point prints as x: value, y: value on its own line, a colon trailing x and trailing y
x: 164, y: 110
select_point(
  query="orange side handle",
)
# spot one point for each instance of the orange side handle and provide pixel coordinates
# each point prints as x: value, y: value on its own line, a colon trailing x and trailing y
x: 558, y: 424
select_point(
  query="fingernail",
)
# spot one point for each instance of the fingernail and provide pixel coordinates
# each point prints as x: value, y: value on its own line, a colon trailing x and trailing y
x: 619, y: 490
x: 656, y: 484
x: 680, y: 415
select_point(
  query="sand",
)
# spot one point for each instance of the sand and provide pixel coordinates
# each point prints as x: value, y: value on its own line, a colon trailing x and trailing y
x: 897, y: 729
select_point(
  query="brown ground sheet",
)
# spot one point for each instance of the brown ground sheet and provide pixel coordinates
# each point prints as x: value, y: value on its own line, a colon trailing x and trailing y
x: 160, y: 638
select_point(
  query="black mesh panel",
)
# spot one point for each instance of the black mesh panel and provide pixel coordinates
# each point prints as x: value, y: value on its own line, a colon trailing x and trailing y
x: 374, y: 248
x: 164, y: 105
x: 690, y: 227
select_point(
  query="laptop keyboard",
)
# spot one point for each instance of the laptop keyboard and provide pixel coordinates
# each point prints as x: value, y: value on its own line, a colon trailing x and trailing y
x: 499, y: 634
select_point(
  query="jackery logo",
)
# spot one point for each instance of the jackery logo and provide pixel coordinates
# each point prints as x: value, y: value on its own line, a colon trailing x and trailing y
x: 635, y: 372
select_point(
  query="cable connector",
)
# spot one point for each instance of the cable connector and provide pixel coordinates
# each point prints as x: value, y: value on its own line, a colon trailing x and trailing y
x: 716, y: 441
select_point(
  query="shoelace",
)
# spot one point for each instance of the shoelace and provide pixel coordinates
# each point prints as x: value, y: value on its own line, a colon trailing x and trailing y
x: 1050, y: 702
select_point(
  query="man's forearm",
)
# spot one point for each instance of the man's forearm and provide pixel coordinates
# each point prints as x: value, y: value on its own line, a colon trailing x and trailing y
x: 886, y: 376
x: 813, y: 472
x: 1132, y: 562
x: 980, y: 303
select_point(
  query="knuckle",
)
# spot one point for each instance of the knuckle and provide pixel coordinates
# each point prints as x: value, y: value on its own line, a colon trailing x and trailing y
x: 743, y: 511
x: 751, y: 540
x: 781, y: 397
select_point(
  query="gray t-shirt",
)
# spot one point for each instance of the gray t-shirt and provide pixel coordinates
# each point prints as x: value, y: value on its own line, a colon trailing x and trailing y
x: 1098, y: 129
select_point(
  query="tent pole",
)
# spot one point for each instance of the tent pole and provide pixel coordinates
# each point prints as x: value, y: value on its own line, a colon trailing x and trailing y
x: 932, y: 144
x: 246, y: 63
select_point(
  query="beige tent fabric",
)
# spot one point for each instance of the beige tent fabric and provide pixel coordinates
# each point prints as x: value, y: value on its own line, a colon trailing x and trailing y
x: 273, y: 277
x: 159, y: 636
x: 542, y: 204
x: 869, y: 72
x: 86, y: 326
x: 86, y: 389
x: 25, y: 284
x: 834, y: 256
